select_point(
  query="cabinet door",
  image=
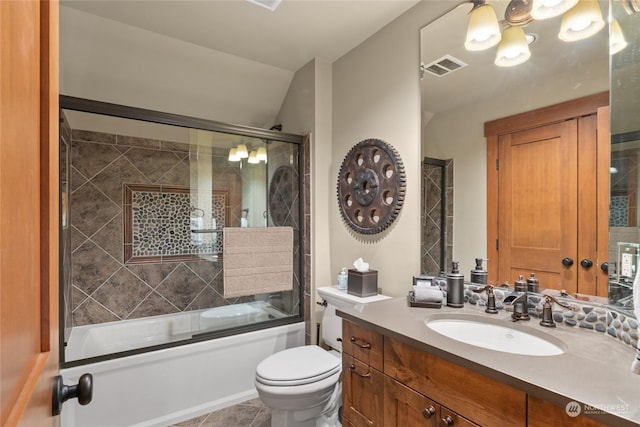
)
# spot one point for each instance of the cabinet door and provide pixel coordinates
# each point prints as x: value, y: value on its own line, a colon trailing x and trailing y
x: 542, y: 414
x: 362, y: 393
x: 404, y: 407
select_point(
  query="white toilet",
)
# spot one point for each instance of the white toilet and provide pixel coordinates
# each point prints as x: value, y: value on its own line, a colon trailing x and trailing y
x: 300, y: 384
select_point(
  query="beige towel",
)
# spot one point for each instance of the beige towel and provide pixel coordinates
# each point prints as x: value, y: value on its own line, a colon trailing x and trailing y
x: 257, y: 260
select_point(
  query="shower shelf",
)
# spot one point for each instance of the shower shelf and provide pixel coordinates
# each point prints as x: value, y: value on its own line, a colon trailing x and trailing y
x: 207, y: 230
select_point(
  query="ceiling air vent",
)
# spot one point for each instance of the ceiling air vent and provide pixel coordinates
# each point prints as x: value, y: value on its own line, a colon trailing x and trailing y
x: 443, y: 66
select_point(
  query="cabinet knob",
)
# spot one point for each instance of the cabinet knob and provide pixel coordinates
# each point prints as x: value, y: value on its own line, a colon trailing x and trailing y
x: 605, y: 267
x: 586, y: 263
x: 446, y: 421
x: 429, y: 412
x: 567, y: 262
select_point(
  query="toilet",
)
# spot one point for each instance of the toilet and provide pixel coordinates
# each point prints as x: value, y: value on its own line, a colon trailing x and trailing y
x: 301, y: 384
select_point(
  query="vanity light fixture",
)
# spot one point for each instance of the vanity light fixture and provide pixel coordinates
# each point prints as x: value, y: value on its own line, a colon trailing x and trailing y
x: 242, y: 151
x: 544, y: 9
x: 513, y: 48
x: 617, y: 41
x: 262, y: 154
x: 233, y: 155
x: 253, y: 158
x: 581, y: 22
x: 483, y: 30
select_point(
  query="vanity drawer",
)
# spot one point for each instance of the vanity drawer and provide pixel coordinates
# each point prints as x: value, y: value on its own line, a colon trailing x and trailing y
x: 480, y: 399
x: 362, y: 343
x: 362, y: 393
x: 404, y: 407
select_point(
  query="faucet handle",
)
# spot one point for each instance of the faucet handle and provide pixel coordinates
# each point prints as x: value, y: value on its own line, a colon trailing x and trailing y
x: 491, y: 298
x: 547, y: 312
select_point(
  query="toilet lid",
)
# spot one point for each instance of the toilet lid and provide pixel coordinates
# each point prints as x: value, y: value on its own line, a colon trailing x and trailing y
x: 297, y: 366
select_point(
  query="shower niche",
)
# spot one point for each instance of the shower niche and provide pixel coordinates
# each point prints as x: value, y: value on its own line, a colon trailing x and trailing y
x: 146, y: 201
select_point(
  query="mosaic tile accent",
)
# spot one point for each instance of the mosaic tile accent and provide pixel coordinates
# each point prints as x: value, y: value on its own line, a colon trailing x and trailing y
x: 587, y: 316
x: 158, y: 224
x: 619, y: 211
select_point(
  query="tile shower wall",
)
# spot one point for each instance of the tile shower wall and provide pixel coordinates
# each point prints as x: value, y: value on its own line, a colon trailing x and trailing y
x: 104, y: 288
x: 431, y: 216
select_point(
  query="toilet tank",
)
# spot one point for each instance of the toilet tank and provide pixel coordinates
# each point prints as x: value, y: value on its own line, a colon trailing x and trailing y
x: 331, y: 324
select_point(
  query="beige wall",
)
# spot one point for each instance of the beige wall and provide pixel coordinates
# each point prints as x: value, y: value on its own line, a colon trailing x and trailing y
x: 376, y: 94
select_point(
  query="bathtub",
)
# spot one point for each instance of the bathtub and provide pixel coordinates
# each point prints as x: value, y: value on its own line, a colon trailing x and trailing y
x: 175, y: 384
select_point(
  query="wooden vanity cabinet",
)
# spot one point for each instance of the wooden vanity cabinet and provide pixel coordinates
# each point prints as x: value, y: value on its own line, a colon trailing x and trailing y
x: 404, y: 407
x: 362, y: 377
x: 543, y: 414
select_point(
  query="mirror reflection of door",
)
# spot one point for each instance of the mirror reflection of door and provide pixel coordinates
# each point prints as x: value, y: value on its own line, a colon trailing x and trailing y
x: 544, y: 200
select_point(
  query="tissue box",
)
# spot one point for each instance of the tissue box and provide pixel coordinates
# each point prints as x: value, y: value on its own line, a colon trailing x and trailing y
x: 362, y: 283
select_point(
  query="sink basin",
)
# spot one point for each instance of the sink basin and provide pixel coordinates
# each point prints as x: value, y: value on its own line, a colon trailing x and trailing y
x: 477, y: 331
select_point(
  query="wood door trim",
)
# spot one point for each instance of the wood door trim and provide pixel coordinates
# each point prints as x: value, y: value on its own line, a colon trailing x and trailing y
x: 603, y: 162
x: 547, y: 115
x: 523, y: 121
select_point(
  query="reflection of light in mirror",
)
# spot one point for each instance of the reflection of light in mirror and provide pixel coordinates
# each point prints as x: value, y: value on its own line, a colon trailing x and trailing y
x: 544, y: 9
x: 613, y: 170
x: 253, y: 158
x: 617, y: 41
x: 242, y: 151
x: 581, y: 22
x: 262, y: 154
x: 233, y: 155
x: 513, y: 48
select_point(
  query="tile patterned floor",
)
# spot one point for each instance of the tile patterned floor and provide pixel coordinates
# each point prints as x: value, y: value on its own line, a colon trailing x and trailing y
x: 252, y: 413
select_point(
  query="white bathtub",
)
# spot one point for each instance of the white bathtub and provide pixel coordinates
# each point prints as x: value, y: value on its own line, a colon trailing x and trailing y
x: 167, y: 386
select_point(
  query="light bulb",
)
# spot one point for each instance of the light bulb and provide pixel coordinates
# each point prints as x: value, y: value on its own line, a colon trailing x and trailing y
x: 262, y: 154
x: 544, y: 9
x: 483, y: 30
x: 581, y: 22
x: 513, y: 48
x: 253, y: 157
x: 242, y: 151
x: 233, y: 155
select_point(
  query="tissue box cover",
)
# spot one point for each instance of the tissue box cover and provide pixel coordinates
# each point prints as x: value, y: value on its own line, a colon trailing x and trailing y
x: 362, y: 283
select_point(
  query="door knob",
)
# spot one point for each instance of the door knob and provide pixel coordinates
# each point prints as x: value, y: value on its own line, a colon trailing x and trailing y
x: 61, y: 393
x: 604, y: 267
x: 586, y: 263
x: 567, y: 262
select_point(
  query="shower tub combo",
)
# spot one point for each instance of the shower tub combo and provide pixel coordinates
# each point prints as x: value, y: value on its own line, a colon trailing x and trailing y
x: 172, y: 384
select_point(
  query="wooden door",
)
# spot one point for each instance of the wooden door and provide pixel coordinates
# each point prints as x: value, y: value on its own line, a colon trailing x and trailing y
x: 538, y: 204
x: 546, y: 171
x: 28, y: 211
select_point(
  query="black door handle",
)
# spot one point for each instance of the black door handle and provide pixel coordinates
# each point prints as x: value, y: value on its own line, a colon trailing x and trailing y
x: 604, y: 267
x: 586, y: 263
x: 567, y: 262
x: 61, y: 393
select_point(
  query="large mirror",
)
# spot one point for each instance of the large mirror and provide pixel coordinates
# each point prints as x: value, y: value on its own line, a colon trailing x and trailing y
x: 462, y: 90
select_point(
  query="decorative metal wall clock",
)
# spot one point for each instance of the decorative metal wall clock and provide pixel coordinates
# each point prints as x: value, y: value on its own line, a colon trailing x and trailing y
x: 371, y: 186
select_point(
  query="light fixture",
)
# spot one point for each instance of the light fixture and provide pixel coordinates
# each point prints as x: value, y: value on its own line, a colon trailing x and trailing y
x: 253, y: 157
x: 233, y: 155
x: 262, y: 154
x: 581, y: 22
x: 544, y: 9
x: 513, y: 48
x: 483, y: 30
x: 242, y: 151
x: 616, y: 37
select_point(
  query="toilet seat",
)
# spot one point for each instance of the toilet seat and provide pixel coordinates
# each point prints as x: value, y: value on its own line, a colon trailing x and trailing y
x: 298, y: 366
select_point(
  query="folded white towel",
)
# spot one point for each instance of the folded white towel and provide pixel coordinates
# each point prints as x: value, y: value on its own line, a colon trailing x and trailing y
x: 635, y: 365
x: 196, y: 223
x: 427, y: 294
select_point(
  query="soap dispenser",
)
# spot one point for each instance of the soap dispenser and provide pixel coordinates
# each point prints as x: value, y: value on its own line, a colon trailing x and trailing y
x: 479, y: 274
x: 455, y: 287
x: 533, y: 285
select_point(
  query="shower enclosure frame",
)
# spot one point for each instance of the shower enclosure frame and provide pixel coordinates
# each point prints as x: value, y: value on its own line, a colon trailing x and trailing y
x: 152, y: 116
